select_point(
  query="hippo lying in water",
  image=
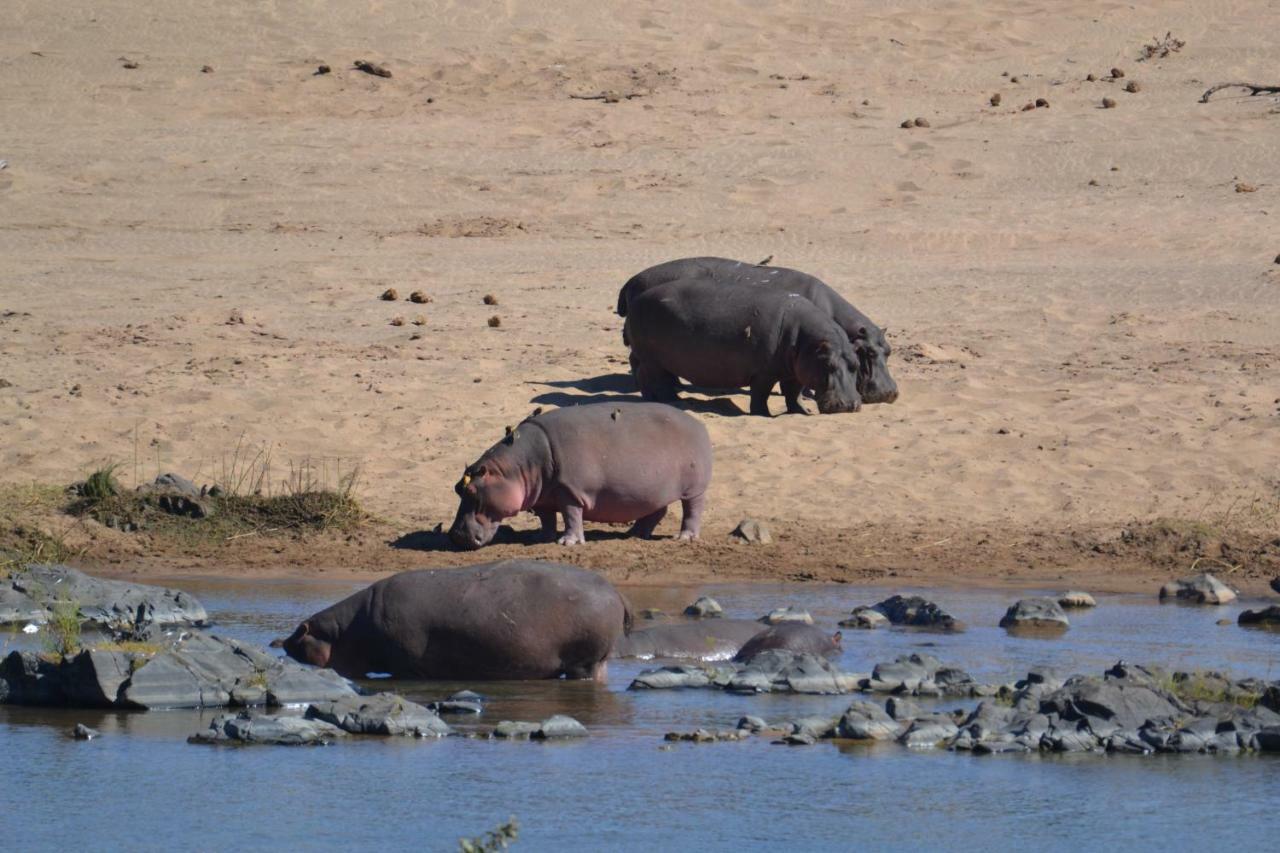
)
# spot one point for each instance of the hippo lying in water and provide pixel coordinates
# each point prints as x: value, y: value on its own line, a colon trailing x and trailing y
x: 793, y: 637
x: 596, y: 462
x: 703, y: 639
x: 728, y: 337
x: 515, y: 619
x: 875, y: 385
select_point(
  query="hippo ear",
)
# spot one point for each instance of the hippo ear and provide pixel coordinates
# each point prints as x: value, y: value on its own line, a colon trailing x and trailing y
x: 303, y: 630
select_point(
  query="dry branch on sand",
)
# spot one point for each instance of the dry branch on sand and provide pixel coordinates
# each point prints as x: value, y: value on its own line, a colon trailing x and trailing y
x: 1254, y: 89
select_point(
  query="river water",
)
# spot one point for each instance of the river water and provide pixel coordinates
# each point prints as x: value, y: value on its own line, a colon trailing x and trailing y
x: 142, y: 787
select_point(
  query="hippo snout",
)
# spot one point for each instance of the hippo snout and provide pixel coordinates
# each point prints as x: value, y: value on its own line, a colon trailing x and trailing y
x: 470, y: 532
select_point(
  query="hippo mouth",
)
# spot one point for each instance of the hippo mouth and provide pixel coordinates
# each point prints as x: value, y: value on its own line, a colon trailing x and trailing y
x: 470, y: 533
x: 874, y: 383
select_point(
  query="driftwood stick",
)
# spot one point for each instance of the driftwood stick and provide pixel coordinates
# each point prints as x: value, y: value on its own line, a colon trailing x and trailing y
x: 1254, y: 89
x: 608, y: 97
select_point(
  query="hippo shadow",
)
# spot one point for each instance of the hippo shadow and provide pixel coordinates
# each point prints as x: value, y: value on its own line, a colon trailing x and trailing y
x: 620, y: 388
x: 438, y: 540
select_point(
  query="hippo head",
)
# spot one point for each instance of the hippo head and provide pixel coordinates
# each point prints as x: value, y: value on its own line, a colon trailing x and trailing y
x: 830, y: 369
x: 306, y: 647
x: 487, y: 496
x: 875, y: 385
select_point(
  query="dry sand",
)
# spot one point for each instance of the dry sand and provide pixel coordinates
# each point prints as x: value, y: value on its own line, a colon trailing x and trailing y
x: 1085, y: 312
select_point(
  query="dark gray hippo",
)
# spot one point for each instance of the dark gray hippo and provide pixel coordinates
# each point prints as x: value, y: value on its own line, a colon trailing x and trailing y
x: 514, y: 619
x: 704, y: 639
x: 875, y: 385
x: 597, y: 462
x: 796, y: 637
x: 728, y: 337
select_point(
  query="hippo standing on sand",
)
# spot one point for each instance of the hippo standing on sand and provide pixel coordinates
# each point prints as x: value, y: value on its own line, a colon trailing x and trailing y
x: 796, y: 637
x: 597, y: 462
x: 515, y: 619
x: 728, y: 337
x: 875, y: 385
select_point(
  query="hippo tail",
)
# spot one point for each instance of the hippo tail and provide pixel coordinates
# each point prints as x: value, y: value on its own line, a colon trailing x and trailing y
x: 628, y: 618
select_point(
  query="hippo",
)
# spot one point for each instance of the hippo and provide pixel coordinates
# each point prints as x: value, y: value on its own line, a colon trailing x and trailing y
x: 875, y: 385
x: 728, y: 337
x: 598, y: 462
x: 514, y: 619
x: 703, y: 639
x: 798, y: 637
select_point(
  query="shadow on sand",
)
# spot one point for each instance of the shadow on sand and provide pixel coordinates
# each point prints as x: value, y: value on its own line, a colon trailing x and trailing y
x: 438, y: 540
x: 621, y: 388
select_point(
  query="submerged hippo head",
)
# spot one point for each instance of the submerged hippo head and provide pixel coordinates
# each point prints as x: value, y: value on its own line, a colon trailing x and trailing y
x: 830, y: 370
x: 875, y: 385
x: 306, y: 647
x: 488, y: 496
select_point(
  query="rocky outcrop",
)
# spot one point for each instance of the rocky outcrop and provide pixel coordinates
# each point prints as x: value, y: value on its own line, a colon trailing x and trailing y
x: 1268, y: 617
x: 29, y: 593
x: 778, y: 615
x: 193, y: 670
x: 380, y: 714
x: 558, y: 727
x: 1035, y: 614
x: 261, y: 729
x: 1203, y: 588
x: 751, y: 531
x: 915, y: 612
x: 865, y: 618
x: 771, y: 671
x: 1076, y: 598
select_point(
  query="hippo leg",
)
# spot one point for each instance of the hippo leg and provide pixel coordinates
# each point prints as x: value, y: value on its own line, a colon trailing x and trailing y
x: 691, y: 523
x: 643, y: 528
x: 760, y: 391
x: 548, y: 519
x: 791, y: 393
x: 654, y: 383
x: 572, y: 526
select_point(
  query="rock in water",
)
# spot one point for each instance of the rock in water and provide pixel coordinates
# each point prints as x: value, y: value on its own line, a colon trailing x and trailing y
x: 1266, y: 618
x: 705, y: 607
x: 916, y: 612
x: 1037, y: 614
x: 83, y: 732
x: 751, y: 531
x: 1275, y: 582
x: 786, y: 614
x: 559, y: 727
x: 28, y: 593
x: 246, y: 728
x: 381, y: 714
x: 865, y: 618
x: 1076, y: 598
x: 867, y: 721
x: 1203, y: 588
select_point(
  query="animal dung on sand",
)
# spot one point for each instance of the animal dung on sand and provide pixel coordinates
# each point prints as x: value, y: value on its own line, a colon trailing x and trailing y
x: 495, y: 321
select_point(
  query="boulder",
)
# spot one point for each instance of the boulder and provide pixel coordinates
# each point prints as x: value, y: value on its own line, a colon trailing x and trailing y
x: 867, y: 721
x: 786, y: 614
x: 245, y: 728
x: 902, y: 709
x: 905, y: 675
x: 83, y: 732
x: 1275, y: 583
x: 514, y: 729
x: 193, y: 670
x: 1268, y: 617
x: 916, y: 612
x: 559, y: 727
x: 1035, y: 614
x: 705, y: 607
x: 1076, y: 598
x: 797, y: 739
x: 783, y: 671
x: 865, y: 618
x: 667, y: 677
x: 1203, y: 588
x: 817, y: 727
x: 751, y: 531
x: 462, y: 702
x: 752, y: 724
x: 28, y: 594
x: 1110, y: 704
x: 929, y: 731
x: 380, y: 714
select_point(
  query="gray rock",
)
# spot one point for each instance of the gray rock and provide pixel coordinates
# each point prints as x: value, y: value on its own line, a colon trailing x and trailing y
x: 751, y: 531
x: 1275, y: 583
x: 514, y: 729
x: 1203, y: 588
x: 1268, y: 617
x: 1035, y: 614
x: 173, y: 484
x: 902, y: 709
x: 705, y: 607
x: 797, y: 740
x: 929, y: 731
x: 245, y: 728
x: 786, y: 614
x: 194, y: 670
x: 1076, y: 598
x: 1110, y: 704
x: 1267, y: 740
x: 462, y: 702
x: 817, y: 727
x: 916, y: 612
x: 752, y: 724
x: 865, y: 618
x: 381, y: 714
x: 904, y: 675
x: 559, y: 727
x: 867, y: 721
x: 668, y: 677
x: 783, y: 671
x: 83, y: 732
x: 28, y: 593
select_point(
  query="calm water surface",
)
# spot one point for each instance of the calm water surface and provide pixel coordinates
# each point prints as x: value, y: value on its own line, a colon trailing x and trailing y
x: 142, y: 787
